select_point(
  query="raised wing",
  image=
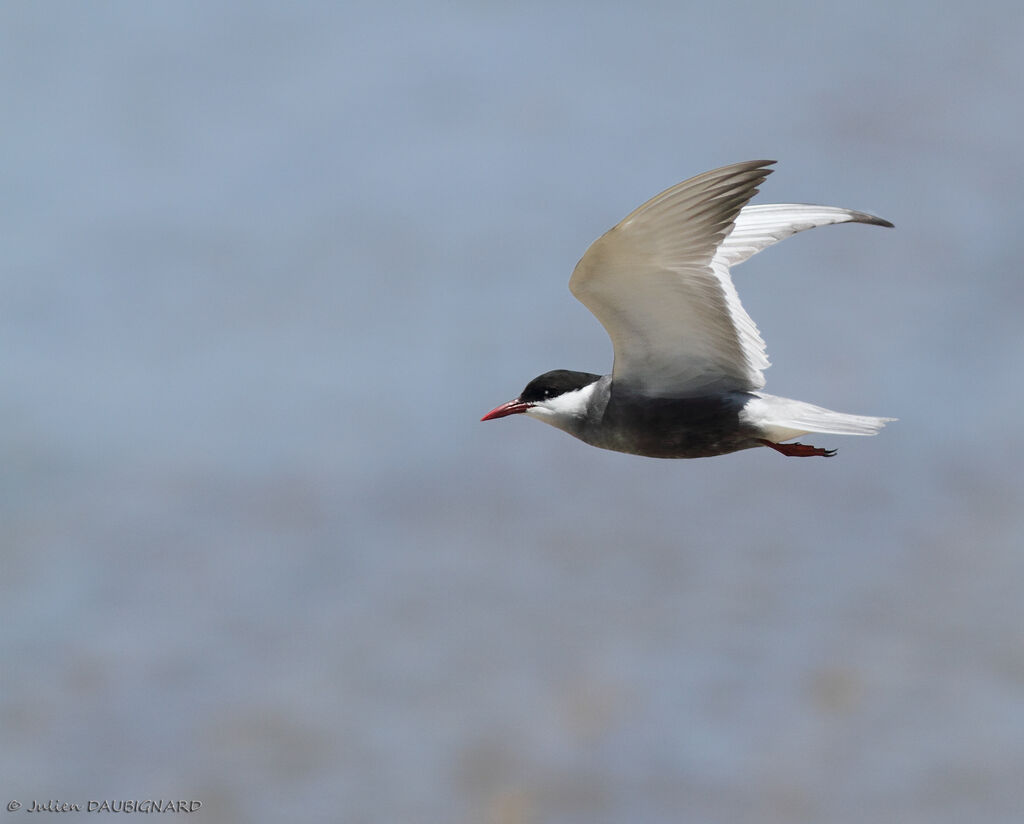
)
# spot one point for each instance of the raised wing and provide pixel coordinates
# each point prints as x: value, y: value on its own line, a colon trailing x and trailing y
x: 758, y: 227
x: 669, y: 306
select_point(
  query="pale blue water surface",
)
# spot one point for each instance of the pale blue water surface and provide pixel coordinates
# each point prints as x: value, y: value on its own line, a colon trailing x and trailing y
x: 264, y: 267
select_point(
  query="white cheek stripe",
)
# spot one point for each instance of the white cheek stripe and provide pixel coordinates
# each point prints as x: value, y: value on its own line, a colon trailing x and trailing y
x: 567, y: 405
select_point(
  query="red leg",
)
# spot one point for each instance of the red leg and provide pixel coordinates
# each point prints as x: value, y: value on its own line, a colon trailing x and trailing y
x: 798, y: 450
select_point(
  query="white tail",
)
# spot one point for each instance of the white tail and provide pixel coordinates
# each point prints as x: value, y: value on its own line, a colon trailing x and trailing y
x: 784, y: 418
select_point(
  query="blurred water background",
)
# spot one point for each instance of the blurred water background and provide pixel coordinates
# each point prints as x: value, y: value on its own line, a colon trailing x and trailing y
x: 265, y: 265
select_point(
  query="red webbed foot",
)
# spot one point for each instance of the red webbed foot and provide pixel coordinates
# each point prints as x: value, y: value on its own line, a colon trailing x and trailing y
x: 798, y: 450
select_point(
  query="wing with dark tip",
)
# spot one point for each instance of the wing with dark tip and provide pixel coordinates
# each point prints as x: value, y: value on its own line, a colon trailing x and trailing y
x: 659, y: 281
x: 758, y: 227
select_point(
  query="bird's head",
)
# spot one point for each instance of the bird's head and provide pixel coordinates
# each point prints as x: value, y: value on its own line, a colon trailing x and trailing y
x: 559, y: 398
